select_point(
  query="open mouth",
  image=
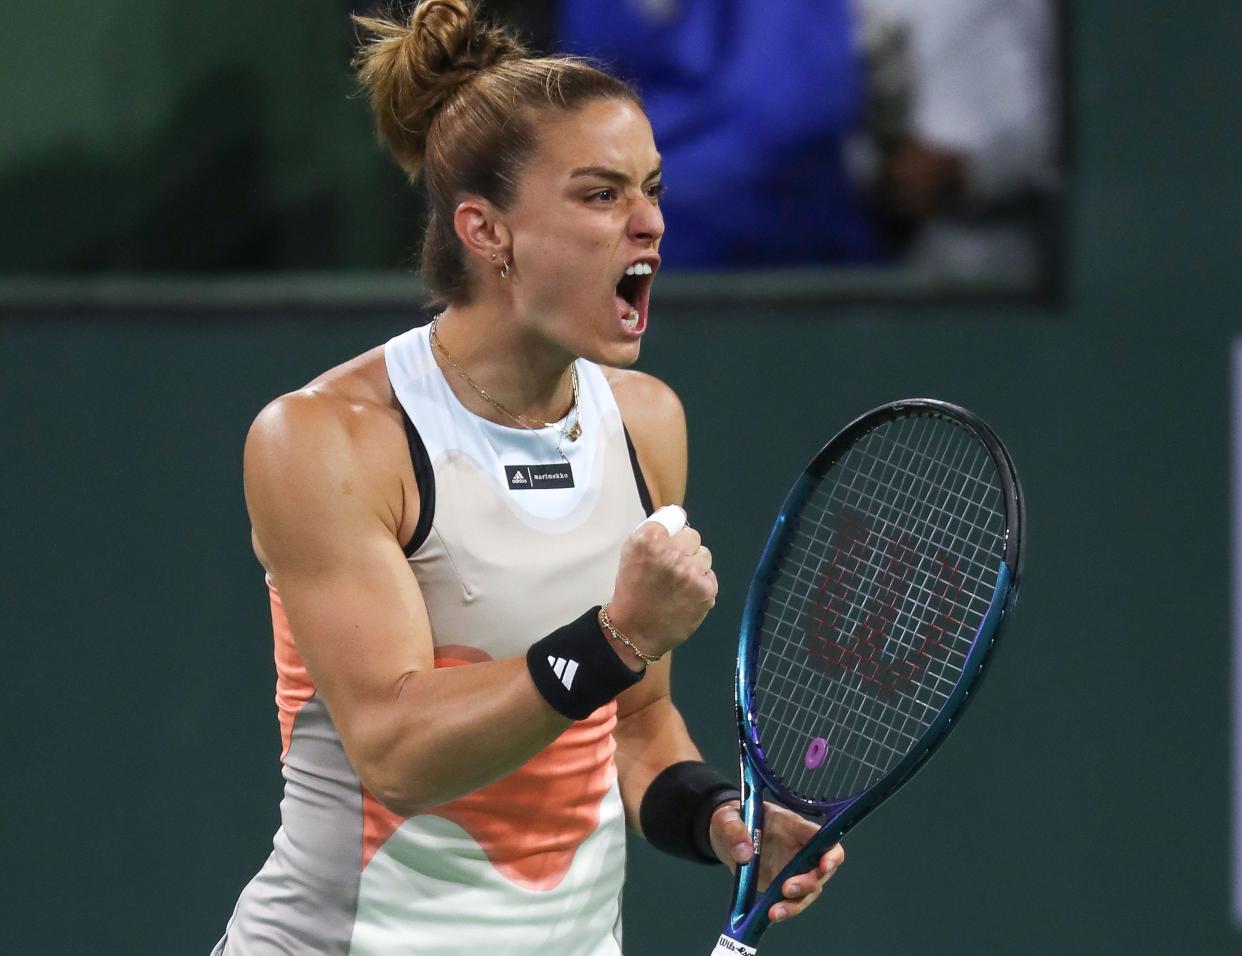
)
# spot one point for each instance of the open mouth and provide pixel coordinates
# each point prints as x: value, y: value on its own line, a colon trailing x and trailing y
x: 633, y: 294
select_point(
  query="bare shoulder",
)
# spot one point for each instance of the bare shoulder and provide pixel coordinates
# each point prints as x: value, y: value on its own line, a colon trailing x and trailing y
x: 647, y: 404
x: 656, y: 421
x: 328, y: 449
x: 332, y: 419
x: 300, y: 428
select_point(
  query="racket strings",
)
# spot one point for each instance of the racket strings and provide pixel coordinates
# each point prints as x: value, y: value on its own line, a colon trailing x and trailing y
x: 887, y: 573
x: 895, y: 748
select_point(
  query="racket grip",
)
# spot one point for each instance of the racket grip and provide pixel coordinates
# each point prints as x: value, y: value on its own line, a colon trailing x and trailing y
x: 725, y: 946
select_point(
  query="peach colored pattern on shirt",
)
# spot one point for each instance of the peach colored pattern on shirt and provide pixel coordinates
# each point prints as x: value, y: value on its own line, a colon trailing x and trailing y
x: 530, y: 823
x: 378, y: 822
x: 293, y: 684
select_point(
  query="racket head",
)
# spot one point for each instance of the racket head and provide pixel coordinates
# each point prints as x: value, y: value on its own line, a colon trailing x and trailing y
x: 876, y: 605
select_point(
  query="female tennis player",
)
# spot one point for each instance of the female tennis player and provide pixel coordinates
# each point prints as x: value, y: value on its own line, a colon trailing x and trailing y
x: 471, y: 637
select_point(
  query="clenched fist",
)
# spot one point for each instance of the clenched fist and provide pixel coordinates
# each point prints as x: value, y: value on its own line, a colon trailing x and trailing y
x: 665, y: 587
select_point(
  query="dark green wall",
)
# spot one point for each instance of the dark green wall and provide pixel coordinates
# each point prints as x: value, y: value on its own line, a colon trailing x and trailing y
x: 1083, y: 807
x: 149, y: 136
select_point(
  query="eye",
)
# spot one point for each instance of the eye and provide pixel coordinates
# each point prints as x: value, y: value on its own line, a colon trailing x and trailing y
x: 656, y: 191
x: 602, y: 195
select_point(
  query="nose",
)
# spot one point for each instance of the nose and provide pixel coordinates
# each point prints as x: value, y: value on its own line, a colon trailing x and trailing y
x: 646, y: 221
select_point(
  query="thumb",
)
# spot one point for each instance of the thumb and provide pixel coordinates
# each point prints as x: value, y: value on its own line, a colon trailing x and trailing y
x: 730, y: 837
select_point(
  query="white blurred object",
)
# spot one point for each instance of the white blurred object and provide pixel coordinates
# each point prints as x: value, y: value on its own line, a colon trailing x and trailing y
x: 672, y: 517
x: 982, y: 78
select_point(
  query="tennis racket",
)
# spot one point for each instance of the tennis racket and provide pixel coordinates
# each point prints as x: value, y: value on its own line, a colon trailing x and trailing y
x: 871, y: 616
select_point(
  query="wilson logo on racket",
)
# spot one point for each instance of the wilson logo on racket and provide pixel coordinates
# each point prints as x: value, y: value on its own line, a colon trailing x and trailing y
x: 887, y: 656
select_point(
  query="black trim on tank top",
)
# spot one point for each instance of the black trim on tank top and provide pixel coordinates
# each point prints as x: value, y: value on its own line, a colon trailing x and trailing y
x: 643, y: 494
x: 425, y: 478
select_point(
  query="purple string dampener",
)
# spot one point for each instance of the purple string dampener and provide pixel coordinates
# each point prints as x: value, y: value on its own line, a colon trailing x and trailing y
x: 816, y: 752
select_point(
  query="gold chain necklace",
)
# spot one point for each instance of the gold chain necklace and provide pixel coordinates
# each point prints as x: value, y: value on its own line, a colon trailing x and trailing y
x: 573, y: 432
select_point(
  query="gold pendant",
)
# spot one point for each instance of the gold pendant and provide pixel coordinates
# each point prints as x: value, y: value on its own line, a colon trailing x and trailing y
x: 574, y: 432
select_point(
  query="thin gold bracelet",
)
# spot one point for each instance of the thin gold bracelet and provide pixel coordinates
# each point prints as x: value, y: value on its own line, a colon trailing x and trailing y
x: 606, y: 623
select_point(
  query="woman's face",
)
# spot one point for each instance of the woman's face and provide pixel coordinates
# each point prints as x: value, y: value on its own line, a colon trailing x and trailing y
x: 587, y: 209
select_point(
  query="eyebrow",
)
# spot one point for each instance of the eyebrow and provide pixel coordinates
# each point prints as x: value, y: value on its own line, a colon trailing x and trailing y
x: 612, y: 175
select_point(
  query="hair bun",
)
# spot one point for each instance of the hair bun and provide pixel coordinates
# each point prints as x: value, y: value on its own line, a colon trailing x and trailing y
x: 411, y: 70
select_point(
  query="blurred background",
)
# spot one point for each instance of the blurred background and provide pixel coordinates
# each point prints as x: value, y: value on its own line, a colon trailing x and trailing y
x: 904, y: 142
x: 1021, y: 207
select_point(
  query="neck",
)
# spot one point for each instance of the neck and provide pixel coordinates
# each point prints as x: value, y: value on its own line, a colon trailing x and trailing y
x: 524, y: 372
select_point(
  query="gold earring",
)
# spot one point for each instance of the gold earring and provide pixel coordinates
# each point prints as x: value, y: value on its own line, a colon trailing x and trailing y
x: 504, y: 270
x: 493, y: 259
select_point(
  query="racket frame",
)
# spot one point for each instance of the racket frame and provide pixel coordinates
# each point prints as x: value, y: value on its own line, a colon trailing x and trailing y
x: 748, y: 920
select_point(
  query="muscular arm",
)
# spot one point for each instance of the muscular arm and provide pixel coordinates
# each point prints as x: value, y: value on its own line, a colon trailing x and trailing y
x: 326, y: 529
x: 650, y: 732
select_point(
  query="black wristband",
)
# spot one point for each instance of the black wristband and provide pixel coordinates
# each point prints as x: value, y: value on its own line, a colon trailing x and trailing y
x: 677, y: 809
x: 576, y: 669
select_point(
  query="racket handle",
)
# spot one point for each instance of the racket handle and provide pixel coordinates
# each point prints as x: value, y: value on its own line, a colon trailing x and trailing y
x: 672, y: 517
x: 726, y: 946
x: 756, y: 921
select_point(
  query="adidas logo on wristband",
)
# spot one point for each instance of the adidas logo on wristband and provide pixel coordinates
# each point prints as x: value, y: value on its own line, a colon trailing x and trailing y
x: 575, y: 668
x: 564, y: 670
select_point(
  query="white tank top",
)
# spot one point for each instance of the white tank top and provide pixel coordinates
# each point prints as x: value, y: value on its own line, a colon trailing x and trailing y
x: 513, y: 541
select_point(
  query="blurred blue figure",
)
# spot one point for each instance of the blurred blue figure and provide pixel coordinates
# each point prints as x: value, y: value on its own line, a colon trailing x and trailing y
x: 752, y: 102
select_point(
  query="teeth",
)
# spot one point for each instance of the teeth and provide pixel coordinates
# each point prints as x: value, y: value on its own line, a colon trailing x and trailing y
x: 631, y: 320
x: 639, y: 269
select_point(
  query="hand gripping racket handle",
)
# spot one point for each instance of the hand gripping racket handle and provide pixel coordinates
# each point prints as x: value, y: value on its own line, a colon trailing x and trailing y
x: 757, y: 921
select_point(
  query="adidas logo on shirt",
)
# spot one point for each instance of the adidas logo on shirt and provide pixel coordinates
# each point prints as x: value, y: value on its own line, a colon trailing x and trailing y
x: 564, y: 669
x: 536, y: 477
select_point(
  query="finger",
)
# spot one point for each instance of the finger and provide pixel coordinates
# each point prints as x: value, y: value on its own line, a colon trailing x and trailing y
x: 799, y: 886
x: 802, y: 890
x: 832, y: 859
x: 711, y: 587
x: 823, y: 872
x: 687, y: 540
x: 672, y: 518
x: 790, y: 908
x: 734, y: 834
x: 702, y: 559
x: 796, y: 887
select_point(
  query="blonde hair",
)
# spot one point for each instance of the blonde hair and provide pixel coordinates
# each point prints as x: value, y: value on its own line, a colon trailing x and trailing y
x: 456, y: 101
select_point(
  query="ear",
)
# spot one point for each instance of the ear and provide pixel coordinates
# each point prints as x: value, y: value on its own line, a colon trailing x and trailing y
x: 479, y: 227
